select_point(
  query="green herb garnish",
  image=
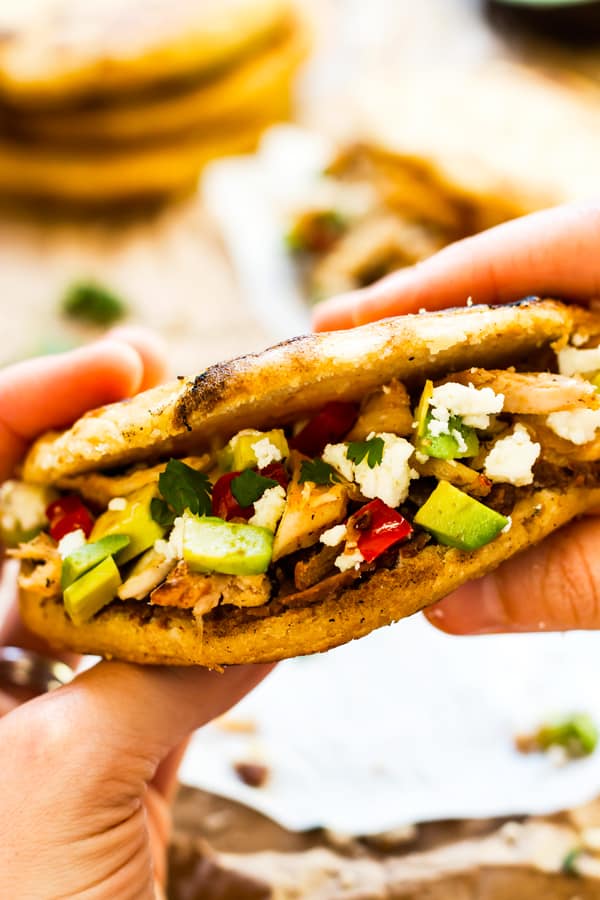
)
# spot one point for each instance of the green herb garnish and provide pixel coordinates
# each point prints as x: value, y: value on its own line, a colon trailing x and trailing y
x: 372, y: 449
x: 249, y: 487
x: 569, y: 863
x: 184, y: 488
x: 317, y: 471
x: 578, y: 734
x: 161, y: 512
x: 92, y: 302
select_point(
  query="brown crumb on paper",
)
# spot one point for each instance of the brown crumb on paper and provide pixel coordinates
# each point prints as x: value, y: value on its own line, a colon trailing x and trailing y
x: 253, y: 774
x: 236, y: 726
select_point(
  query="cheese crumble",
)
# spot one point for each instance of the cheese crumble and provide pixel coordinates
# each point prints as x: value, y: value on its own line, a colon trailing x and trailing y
x: 473, y: 405
x: 72, y: 541
x: 349, y: 559
x: 389, y: 481
x: 578, y: 426
x: 269, y: 508
x: 572, y: 361
x: 333, y: 536
x: 511, y: 458
x: 266, y: 452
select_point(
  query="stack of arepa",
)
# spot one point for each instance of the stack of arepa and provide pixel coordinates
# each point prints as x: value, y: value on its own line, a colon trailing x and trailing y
x: 103, y: 101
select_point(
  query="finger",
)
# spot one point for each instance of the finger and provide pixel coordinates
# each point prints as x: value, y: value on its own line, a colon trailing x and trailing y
x: 50, y: 392
x: 151, y: 348
x: 146, y: 712
x: 551, y: 253
x: 554, y: 586
x: 165, y: 780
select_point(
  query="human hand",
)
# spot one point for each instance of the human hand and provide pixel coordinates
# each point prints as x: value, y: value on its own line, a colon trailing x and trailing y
x: 555, y: 586
x: 89, y: 770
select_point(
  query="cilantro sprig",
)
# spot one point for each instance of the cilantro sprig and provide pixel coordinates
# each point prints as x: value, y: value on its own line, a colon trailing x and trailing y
x: 93, y: 302
x: 372, y: 449
x: 181, y: 488
x: 317, y: 471
x: 249, y: 487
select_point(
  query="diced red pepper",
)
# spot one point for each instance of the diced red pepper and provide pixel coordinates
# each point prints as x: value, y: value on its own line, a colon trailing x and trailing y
x: 379, y: 527
x: 277, y: 472
x: 224, y: 504
x: 68, y: 514
x: 328, y: 426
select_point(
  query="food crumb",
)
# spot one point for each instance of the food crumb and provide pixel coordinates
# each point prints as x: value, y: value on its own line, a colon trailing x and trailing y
x: 236, y: 726
x: 253, y: 774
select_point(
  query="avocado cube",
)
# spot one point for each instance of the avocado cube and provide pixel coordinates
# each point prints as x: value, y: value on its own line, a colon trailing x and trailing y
x: 239, y: 453
x: 135, y: 521
x: 445, y: 446
x: 458, y: 520
x: 213, y: 545
x: 90, y: 593
x: 85, y: 558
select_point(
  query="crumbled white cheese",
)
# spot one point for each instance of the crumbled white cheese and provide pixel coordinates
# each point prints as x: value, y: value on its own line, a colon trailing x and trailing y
x: 508, y: 526
x: 473, y: 405
x: 266, y: 452
x: 335, y: 455
x: 511, y: 458
x: 389, y: 481
x: 117, y: 504
x: 269, y: 508
x: 71, y: 542
x: 22, y: 505
x: 572, y: 361
x: 578, y: 339
x: 172, y: 548
x: 349, y: 559
x: 421, y: 457
x: 578, y: 426
x: 460, y: 441
x: 333, y: 536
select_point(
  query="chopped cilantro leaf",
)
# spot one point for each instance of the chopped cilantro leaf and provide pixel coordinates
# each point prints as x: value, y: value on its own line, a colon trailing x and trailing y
x: 185, y: 488
x: 318, y: 472
x: 569, y: 863
x: 372, y: 449
x: 161, y: 512
x: 249, y: 487
x: 92, y: 302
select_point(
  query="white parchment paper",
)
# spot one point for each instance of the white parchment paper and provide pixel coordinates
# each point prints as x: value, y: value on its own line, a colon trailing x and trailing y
x: 408, y: 725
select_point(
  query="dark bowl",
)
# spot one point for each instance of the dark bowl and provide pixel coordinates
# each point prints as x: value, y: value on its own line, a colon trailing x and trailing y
x: 571, y: 20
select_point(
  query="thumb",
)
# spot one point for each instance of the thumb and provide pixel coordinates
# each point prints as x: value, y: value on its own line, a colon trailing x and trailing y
x: 554, y: 586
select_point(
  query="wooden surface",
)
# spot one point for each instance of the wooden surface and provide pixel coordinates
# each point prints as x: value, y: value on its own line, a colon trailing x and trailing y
x: 171, y: 266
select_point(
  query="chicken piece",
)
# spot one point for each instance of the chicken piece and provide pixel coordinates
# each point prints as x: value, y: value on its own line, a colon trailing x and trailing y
x: 310, y: 509
x: 474, y: 483
x: 532, y: 392
x: 149, y: 571
x: 41, y: 566
x: 318, y: 566
x: 387, y: 409
x: 99, y: 489
x: 556, y: 449
x: 191, y: 590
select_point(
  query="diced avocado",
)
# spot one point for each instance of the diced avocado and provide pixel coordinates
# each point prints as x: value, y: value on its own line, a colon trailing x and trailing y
x: 85, y: 558
x: 23, y: 511
x: 446, y: 446
x: 213, y: 545
x: 135, y: 521
x: 578, y: 734
x: 239, y: 453
x: 422, y: 409
x: 94, y: 590
x: 457, y: 520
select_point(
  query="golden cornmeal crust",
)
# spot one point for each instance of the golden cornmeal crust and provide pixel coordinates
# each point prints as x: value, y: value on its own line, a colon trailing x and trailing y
x: 289, y: 380
x: 142, y: 634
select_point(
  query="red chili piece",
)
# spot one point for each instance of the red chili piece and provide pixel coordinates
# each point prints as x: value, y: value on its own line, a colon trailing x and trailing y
x: 68, y: 514
x: 277, y: 472
x: 329, y: 426
x: 386, y: 527
x: 224, y: 504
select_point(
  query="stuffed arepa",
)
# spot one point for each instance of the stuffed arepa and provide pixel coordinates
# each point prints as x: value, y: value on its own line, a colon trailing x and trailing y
x: 288, y: 501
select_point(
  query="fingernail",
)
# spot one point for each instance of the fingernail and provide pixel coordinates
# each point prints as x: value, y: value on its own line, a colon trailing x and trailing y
x: 475, y: 608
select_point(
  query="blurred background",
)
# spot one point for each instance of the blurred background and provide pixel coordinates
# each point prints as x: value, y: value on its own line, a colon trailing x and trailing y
x: 212, y: 168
